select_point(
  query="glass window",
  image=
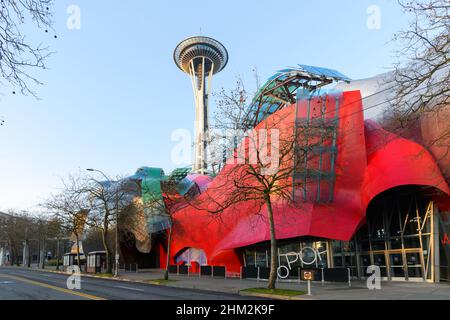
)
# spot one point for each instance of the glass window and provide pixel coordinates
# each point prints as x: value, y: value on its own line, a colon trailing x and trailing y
x: 444, y: 245
x: 337, y: 260
x: 394, y: 224
x: 322, y: 254
x: 348, y: 246
x: 395, y: 243
x: 337, y: 247
x: 379, y: 260
x: 308, y: 256
x: 413, y: 259
x: 294, y: 261
x: 411, y: 242
x: 378, y: 244
x: 250, y: 258
x: 396, y: 261
x: 365, y: 260
x: 350, y: 260
x: 261, y: 259
x: 289, y: 247
x: 364, y: 246
x: 415, y: 272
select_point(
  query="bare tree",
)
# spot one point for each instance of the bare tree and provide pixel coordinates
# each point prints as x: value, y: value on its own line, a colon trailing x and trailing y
x: 171, y: 203
x: 261, y: 170
x: 106, y: 200
x: 18, y: 55
x: 230, y: 122
x: 16, y: 230
x: 70, y: 208
x: 422, y: 74
x: 56, y: 232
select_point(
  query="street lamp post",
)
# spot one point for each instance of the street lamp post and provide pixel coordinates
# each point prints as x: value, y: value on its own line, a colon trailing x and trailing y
x: 116, y: 258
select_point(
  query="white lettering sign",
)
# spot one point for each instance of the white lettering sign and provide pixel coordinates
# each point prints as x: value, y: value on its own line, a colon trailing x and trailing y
x: 302, y: 256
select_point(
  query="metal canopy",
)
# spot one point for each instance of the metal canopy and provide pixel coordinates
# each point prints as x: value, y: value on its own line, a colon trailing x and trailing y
x: 280, y: 90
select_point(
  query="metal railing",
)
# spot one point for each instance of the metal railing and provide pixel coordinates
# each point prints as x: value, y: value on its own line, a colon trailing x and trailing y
x: 342, y: 275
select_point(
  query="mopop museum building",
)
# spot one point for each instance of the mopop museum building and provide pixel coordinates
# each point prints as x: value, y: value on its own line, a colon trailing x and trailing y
x: 361, y: 195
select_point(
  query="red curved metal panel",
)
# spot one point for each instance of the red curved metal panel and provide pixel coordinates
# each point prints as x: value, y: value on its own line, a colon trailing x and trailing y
x: 369, y: 161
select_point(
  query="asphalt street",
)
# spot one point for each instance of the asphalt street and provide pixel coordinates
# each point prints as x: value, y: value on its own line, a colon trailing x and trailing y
x: 24, y: 284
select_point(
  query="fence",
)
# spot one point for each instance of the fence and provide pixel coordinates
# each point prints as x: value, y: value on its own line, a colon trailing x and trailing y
x: 323, y: 275
x: 129, y: 267
x: 262, y: 273
x: 209, y: 271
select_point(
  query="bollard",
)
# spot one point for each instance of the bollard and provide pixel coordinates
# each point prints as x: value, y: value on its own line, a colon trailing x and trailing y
x: 257, y: 278
x: 241, y: 274
x: 349, y: 278
x: 323, y: 278
x: 309, y: 288
x: 212, y: 272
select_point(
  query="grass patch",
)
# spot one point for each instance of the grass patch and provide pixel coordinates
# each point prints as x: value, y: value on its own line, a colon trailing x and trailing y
x: 104, y: 275
x: 161, y: 281
x: 277, y: 292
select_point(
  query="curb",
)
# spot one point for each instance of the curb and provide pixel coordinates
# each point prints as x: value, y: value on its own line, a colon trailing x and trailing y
x: 271, y: 296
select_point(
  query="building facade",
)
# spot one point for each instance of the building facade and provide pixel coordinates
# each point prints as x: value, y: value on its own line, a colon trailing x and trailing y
x: 368, y: 196
x: 361, y: 194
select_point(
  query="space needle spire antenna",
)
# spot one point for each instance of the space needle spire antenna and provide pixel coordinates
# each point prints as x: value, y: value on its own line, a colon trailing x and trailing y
x: 201, y: 58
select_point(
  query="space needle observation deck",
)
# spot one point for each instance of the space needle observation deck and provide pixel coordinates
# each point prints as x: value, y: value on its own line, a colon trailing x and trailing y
x: 201, y: 58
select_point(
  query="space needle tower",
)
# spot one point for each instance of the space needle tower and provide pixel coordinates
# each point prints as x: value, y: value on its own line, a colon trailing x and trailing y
x: 201, y: 58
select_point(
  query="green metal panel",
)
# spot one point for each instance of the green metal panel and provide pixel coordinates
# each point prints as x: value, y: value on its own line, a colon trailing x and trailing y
x: 152, y: 197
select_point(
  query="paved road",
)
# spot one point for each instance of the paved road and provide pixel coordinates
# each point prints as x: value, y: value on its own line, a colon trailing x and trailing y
x: 23, y: 284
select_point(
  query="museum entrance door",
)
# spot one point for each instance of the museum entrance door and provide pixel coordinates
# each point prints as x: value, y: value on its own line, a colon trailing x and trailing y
x: 414, y: 264
x: 399, y: 235
x: 407, y: 264
x: 397, y: 265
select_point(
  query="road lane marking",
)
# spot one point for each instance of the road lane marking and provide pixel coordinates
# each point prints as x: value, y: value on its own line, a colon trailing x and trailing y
x: 128, y: 288
x: 48, y: 286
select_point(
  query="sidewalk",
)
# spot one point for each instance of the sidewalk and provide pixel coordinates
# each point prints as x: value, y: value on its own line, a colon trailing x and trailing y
x: 328, y: 291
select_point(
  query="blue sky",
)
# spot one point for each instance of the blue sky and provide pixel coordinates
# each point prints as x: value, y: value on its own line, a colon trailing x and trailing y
x: 113, y: 96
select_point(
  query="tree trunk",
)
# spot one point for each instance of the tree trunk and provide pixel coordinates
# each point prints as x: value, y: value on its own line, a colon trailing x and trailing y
x: 57, y: 254
x: 44, y: 254
x: 14, y: 255
x: 169, y: 242
x: 29, y: 256
x: 39, y: 254
x: 29, y: 259
x: 273, y: 246
x: 78, y: 252
x: 108, y: 251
